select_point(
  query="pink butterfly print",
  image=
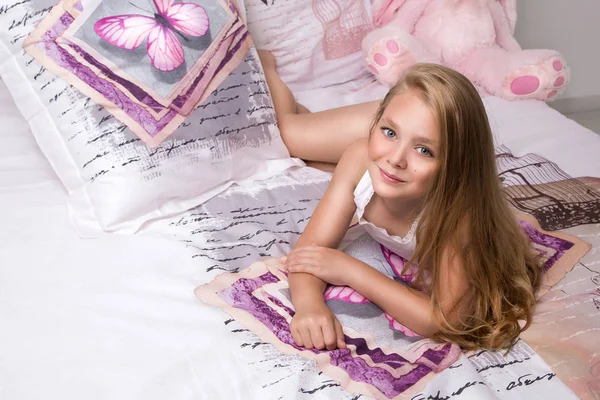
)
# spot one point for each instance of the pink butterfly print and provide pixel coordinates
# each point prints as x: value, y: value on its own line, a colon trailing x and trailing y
x: 344, y: 293
x: 397, y: 326
x: 397, y: 263
x: 349, y: 295
x: 161, y: 30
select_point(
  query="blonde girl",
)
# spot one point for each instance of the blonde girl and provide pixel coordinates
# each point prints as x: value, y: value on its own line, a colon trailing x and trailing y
x: 423, y: 182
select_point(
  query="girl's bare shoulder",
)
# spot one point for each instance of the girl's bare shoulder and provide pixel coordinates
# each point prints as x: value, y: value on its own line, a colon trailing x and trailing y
x: 354, y: 162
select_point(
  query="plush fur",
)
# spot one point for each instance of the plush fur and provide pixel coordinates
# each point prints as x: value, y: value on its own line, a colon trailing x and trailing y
x: 475, y: 37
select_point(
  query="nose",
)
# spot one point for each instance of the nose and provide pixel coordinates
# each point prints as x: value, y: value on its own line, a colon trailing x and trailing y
x: 398, y: 158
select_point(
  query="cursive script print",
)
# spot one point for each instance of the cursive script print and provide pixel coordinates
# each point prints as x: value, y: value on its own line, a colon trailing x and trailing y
x: 283, y: 376
x: 248, y: 223
x: 457, y: 392
x: 529, y: 379
x: 487, y: 374
x: 5, y: 9
x: 27, y: 19
x: 485, y: 360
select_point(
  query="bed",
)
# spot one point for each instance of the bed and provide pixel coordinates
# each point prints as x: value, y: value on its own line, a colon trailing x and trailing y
x: 116, y: 317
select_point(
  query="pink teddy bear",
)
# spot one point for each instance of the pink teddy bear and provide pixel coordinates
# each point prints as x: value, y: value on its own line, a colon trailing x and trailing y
x: 475, y: 37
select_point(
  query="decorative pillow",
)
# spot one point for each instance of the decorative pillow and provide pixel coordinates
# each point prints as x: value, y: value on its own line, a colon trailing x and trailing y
x: 316, y: 42
x: 115, y: 181
x: 101, y: 54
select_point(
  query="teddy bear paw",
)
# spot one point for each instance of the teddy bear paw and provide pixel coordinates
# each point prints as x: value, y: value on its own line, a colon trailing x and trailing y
x: 541, y: 81
x: 387, y: 60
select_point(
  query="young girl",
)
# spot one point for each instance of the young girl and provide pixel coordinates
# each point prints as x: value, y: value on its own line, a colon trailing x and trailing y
x: 423, y: 183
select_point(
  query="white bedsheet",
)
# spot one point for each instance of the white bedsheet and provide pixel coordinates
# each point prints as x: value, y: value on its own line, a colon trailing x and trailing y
x: 110, y: 318
x: 116, y: 317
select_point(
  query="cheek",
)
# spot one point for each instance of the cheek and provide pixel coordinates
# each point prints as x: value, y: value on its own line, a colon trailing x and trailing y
x: 375, y: 148
x: 426, y: 172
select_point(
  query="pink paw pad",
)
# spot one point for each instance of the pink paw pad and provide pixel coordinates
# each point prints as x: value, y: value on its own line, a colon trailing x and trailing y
x: 380, y: 59
x: 387, y: 59
x: 557, y: 65
x: 392, y: 46
x: 525, y: 85
x: 542, y: 80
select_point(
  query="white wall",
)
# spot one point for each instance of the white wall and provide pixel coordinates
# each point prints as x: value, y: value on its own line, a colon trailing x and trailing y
x: 571, y: 27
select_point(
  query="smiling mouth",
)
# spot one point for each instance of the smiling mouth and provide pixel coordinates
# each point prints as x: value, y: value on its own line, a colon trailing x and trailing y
x: 390, y: 178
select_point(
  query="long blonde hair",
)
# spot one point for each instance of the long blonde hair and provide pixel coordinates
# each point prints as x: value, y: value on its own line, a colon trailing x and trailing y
x: 466, y: 210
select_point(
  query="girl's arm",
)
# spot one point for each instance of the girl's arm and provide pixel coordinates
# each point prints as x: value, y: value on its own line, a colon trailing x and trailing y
x: 409, y: 306
x: 327, y: 227
x: 331, y: 219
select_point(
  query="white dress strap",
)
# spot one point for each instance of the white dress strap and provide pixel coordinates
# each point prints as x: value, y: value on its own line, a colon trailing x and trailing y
x: 403, y: 246
x: 363, y: 194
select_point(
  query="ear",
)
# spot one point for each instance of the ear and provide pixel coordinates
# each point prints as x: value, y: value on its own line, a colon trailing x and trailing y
x: 510, y: 9
x: 384, y: 11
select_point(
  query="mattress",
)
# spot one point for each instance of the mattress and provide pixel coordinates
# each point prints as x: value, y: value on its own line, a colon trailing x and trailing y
x: 116, y: 317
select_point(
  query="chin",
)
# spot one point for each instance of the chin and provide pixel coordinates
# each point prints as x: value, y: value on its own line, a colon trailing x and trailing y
x: 386, y: 190
x: 390, y: 192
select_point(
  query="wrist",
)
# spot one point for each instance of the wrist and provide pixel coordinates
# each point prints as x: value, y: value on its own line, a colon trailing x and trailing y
x: 307, y: 297
x: 307, y: 302
x: 355, y: 274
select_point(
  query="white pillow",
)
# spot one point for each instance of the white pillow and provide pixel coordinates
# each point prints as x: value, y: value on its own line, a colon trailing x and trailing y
x: 115, y: 182
x: 22, y: 164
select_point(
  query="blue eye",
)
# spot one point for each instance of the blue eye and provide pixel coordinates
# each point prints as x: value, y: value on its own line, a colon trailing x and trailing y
x: 424, y: 151
x: 389, y: 133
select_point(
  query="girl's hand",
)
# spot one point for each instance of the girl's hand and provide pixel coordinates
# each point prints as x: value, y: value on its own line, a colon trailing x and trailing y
x: 329, y: 265
x: 315, y: 326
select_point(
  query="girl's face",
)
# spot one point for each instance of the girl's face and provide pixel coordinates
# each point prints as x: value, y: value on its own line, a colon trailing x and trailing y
x: 404, y: 148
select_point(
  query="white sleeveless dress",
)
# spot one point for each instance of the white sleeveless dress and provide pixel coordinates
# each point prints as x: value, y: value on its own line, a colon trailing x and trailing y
x: 402, y: 246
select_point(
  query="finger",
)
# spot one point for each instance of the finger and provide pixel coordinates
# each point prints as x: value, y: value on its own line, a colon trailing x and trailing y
x: 297, y: 337
x: 303, y: 259
x: 304, y: 250
x: 294, y: 257
x: 300, y: 269
x: 339, y: 333
x: 316, y: 335
x: 302, y: 263
x: 329, y: 336
x: 289, y: 258
x: 290, y: 255
x: 306, y: 339
x: 300, y: 248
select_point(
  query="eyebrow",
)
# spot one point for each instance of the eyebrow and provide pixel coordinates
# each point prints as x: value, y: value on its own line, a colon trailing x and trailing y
x: 391, y: 123
x: 421, y: 139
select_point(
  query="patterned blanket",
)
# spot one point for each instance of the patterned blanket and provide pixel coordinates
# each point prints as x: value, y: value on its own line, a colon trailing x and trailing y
x: 384, y: 362
x: 385, y: 359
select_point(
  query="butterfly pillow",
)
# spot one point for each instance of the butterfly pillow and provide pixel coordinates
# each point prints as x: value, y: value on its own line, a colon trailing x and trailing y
x: 144, y: 108
x: 163, y: 57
